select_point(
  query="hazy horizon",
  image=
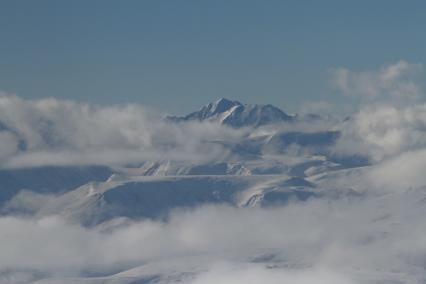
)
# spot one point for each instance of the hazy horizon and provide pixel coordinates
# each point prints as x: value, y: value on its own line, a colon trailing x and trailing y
x: 178, y: 56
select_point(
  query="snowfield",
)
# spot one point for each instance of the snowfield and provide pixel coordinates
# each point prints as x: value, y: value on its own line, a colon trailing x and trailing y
x: 232, y: 193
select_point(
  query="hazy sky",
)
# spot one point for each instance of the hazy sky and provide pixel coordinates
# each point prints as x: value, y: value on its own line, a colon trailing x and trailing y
x: 179, y: 55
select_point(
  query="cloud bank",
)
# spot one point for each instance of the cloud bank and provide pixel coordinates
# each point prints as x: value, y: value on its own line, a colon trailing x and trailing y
x: 329, y: 242
x: 396, y: 81
x: 51, y: 131
x: 391, y: 120
x: 57, y: 132
x: 377, y: 237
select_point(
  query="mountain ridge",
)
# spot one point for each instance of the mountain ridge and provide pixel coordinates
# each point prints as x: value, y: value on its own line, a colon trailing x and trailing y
x: 236, y: 114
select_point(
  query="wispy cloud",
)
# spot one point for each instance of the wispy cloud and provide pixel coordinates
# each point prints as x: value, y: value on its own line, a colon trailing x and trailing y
x: 392, y: 119
x: 51, y: 131
x: 376, y: 237
x: 322, y: 240
x: 394, y: 81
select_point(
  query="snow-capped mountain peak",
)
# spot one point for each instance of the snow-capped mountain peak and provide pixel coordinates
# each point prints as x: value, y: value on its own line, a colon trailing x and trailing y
x: 237, y: 114
x: 222, y: 105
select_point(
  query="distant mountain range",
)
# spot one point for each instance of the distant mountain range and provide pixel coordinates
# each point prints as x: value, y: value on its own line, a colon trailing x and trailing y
x: 275, y: 161
x: 237, y: 114
x: 91, y: 195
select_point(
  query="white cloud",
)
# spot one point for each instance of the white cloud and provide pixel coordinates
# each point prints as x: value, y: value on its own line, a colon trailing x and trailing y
x: 396, y: 81
x: 377, y: 237
x: 8, y: 144
x: 392, y: 118
x: 254, y: 274
x: 400, y: 173
x: 51, y: 131
x: 318, y: 239
x: 383, y: 131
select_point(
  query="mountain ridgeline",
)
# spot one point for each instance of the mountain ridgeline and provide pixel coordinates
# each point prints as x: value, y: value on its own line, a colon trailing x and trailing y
x: 236, y: 114
x: 262, y: 167
x: 267, y: 159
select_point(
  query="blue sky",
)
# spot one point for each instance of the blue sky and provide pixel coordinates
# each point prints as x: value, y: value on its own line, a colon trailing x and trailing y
x: 179, y: 55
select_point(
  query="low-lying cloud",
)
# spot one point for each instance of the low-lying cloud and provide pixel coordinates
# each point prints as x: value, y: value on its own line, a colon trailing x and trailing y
x: 254, y: 274
x: 391, y: 119
x: 385, y: 131
x: 377, y: 237
x: 330, y: 241
x: 57, y: 132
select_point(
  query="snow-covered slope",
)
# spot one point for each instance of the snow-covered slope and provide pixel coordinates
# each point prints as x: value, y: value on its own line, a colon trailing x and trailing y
x: 274, y: 161
x: 155, y: 197
x: 48, y: 179
x: 262, y: 167
x: 236, y: 114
